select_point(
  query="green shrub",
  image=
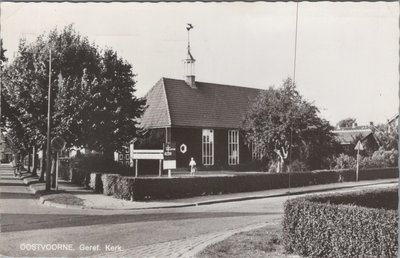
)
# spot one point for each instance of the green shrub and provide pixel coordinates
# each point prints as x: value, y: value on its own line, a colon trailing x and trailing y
x: 344, y: 161
x: 299, y: 166
x: 254, y: 165
x: 325, y: 227
x: 386, y: 198
x: 109, y: 181
x: 83, y: 165
x: 140, y: 188
x: 379, y: 159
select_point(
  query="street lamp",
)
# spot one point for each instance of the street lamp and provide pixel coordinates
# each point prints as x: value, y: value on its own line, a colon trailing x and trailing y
x: 48, y: 147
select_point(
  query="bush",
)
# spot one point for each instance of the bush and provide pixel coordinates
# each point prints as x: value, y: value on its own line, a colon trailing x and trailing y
x: 254, y: 165
x: 379, y: 159
x: 325, y: 227
x: 163, y: 188
x: 299, y: 166
x: 109, y: 181
x: 345, y: 162
x: 83, y: 165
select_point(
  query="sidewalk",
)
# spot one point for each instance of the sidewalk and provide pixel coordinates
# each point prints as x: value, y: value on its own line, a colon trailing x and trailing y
x: 73, y: 196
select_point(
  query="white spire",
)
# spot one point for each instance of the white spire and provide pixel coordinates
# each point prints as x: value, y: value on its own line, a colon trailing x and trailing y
x: 189, y: 62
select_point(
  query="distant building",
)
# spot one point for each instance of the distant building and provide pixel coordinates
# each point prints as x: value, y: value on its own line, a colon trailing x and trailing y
x: 393, y: 123
x: 5, y: 150
x: 348, y: 136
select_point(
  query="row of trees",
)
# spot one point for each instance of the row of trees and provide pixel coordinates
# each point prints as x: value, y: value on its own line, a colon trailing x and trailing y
x: 93, y: 102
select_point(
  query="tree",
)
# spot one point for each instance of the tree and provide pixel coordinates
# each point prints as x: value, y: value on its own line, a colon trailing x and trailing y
x: 285, y: 126
x: 348, y: 122
x: 111, y: 113
x: 3, y: 59
x: 388, y: 138
x: 93, y: 102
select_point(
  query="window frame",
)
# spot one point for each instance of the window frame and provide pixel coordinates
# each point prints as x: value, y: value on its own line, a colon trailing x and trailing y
x: 233, y: 145
x: 207, y: 147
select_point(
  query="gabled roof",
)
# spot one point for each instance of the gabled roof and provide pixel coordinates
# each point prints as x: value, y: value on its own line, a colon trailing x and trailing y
x: 348, y: 135
x: 394, y: 119
x: 172, y: 102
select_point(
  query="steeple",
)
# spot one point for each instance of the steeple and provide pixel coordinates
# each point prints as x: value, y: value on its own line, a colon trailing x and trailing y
x: 189, y: 62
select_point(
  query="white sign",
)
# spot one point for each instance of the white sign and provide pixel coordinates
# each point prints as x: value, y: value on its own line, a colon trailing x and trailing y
x: 148, y: 154
x: 169, y: 164
x: 359, y: 146
x: 183, y: 148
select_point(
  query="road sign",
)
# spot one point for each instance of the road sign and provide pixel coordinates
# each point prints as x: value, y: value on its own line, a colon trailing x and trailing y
x: 169, y: 164
x: 148, y: 154
x: 169, y: 151
x: 359, y: 146
x: 58, y: 143
x: 169, y: 156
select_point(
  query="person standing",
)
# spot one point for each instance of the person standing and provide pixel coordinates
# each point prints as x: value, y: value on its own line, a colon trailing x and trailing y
x: 192, y: 165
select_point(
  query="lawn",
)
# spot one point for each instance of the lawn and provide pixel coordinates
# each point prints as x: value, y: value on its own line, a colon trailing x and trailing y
x: 262, y: 242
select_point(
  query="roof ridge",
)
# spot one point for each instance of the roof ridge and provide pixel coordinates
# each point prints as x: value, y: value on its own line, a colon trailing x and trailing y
x: 213, y: 83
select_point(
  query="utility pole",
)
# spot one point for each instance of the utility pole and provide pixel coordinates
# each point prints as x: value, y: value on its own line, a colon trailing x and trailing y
x: 48, y: 153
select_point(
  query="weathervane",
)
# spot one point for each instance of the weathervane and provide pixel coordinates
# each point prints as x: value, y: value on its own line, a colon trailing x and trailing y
x: 189, y: 62
x: 189, y: 27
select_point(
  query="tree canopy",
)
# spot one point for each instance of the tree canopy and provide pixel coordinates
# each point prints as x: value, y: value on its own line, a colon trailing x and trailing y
x: 387, y: 136
x: 93, y: 92
x: 281, y: 121
x: 348, y: 122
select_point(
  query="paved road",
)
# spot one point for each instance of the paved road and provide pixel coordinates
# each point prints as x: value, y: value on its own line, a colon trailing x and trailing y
x: 174, y: 232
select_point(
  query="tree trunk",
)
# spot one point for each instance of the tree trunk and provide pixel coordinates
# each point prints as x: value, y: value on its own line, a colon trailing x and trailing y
x: 34, y: 161
x: 53, y: 170
x: 29, y: 161
x: 43, y: 165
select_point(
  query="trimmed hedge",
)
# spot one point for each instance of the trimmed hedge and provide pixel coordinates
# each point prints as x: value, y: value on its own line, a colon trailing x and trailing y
x: 140, y: 188
x: 326, y: 226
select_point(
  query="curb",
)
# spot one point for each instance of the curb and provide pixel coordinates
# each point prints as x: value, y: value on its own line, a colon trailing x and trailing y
x: 43, y: 200
x: 195, y: 250
x: 255, y: 197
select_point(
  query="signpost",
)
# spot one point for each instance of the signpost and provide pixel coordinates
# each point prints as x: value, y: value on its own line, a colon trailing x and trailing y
x: 147, y: 154
x: 58, y: 144
x: 358, y: 147
x: 169, y: 156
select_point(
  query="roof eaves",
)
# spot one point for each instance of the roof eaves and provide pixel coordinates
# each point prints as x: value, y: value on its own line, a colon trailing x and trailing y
x: 166, y: 101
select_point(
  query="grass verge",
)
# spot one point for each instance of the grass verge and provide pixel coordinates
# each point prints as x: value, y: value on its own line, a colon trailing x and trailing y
x: 261, y: 242
x: 64, y: 198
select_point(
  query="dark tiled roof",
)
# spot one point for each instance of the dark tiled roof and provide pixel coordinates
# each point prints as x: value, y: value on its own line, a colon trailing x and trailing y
x: 348, y: 135
x: 157, y: 113
x: 210, y: 105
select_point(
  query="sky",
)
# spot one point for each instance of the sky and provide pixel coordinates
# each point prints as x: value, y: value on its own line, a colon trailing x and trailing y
x: 347, y: 53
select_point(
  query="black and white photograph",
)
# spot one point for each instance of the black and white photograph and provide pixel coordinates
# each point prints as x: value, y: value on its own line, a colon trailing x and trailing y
x: 199, y: 129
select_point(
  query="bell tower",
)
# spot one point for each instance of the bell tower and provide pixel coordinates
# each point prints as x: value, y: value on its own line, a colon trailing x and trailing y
x: 189, y: 62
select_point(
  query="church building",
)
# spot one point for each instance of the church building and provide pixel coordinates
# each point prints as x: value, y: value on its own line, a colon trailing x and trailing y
x: 201, y: 118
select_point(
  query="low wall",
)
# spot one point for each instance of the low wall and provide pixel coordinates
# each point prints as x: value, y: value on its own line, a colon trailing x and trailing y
x: 132, y: 188
x: 333, y: 226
